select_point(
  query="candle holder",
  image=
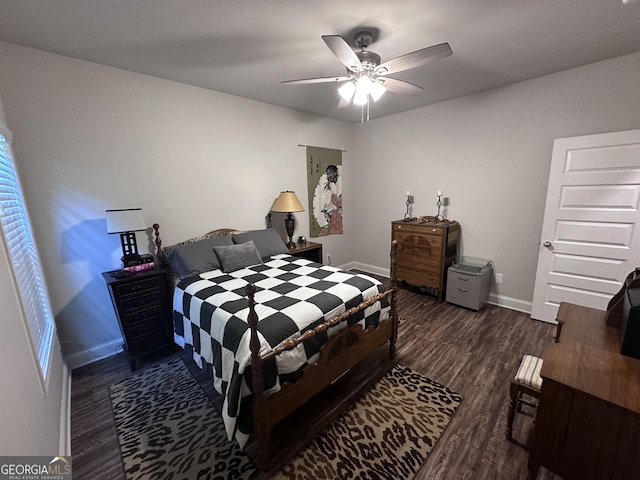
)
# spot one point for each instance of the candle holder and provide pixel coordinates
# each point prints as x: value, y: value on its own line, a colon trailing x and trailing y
x: 438, y: 217
x: 407, y: 216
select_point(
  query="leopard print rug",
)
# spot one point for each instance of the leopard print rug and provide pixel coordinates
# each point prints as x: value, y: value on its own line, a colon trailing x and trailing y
x: 386, y: 434
x: 168, y: 429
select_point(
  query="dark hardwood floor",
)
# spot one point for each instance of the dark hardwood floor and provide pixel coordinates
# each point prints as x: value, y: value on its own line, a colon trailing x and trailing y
x: 473, y: 353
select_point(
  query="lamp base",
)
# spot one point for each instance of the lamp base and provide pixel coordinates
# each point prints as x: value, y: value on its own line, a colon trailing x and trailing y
x: 289, y: 224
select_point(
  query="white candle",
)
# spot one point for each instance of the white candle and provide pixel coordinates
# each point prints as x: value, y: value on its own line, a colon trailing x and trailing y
x: 439, y: 193
x: 408, y: 193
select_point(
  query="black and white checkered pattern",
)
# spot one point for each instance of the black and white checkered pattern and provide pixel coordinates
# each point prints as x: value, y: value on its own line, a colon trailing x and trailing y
x: 293, y: 295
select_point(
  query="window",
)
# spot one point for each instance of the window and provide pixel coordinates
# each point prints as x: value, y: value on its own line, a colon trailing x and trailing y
x: 24, y: 259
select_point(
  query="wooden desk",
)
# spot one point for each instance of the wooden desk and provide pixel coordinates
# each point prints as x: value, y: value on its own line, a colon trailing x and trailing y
x: 588, y: 417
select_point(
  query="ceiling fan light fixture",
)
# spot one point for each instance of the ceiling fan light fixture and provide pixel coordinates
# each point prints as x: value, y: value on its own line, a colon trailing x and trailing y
x: 360, y: 98
x: 347, y: 90
x: 377, y: 90
x: 363, y: 88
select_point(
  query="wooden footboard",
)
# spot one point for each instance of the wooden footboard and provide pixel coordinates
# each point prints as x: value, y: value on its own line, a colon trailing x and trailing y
x: 337, y: 356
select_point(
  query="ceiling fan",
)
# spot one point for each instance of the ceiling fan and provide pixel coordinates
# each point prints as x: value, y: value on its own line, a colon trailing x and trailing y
x: 366, y: 76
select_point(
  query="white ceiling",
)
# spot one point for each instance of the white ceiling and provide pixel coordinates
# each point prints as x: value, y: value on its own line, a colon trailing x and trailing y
x: 246, y: 47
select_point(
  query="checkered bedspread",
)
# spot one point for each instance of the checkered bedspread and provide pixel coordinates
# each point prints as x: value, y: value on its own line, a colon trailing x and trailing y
x: 293, y: 295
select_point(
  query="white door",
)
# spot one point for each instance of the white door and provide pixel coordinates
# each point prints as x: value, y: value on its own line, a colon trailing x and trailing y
x: 591, y: 230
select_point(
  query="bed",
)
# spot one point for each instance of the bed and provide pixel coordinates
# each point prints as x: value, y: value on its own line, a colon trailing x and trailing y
x: 272, y: 330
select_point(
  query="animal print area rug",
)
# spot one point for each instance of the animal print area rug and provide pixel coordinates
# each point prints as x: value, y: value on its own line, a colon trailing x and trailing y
x: 168, y: 429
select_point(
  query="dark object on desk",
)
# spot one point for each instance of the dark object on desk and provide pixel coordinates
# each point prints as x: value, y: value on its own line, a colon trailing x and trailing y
x: 623, y: 313
x: 302, y: 239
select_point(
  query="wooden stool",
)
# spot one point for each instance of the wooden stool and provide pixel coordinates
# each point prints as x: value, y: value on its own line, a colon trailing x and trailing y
x: 527, y: 381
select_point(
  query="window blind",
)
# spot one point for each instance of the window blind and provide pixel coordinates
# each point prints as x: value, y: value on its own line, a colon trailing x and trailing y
x: 24, y: 259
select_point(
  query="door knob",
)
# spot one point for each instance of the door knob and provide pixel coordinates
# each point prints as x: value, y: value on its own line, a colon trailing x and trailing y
x: 547, y: 244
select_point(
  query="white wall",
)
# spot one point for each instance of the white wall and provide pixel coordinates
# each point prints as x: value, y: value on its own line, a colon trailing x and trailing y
x: 89, y: 137
x: 490, y: 153
x: 33, y: 423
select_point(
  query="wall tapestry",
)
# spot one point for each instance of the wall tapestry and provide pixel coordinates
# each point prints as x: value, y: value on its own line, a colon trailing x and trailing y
x: 324, y: 180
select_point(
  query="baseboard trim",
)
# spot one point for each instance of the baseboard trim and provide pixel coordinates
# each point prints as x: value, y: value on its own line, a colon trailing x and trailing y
x: 494, y: 299
x: 65, y: 412
x: 510, y: 303
x: 94, y: 354
x: 384, y: 272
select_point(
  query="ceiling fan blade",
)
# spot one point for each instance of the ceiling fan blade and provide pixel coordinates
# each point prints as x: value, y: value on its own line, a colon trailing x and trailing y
x: 400, y: 86
x: 414, y: 59
x: 306, y: 81
x: 343, y: 51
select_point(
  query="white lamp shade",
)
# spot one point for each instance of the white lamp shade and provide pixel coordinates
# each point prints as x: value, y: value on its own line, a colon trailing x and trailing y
x: 287, y: 202
x: 347, y: 90
x: 363, y: 86
x: 377, y: 90
x: 125, y: 220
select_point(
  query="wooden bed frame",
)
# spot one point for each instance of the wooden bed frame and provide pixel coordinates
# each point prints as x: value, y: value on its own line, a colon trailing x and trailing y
x: 342, y: 352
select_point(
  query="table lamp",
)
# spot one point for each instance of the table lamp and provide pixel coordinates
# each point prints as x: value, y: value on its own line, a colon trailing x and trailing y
x: 287, y: 202
x: 126, y: 222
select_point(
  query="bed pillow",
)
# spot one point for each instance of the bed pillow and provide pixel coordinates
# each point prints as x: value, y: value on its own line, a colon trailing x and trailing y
x: 198, y: 257
x: 236, y: 257
x: 267, y: 241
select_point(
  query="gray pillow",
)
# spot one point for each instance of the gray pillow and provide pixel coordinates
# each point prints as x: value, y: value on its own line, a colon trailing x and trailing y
x: 267, y: 241
x: 199, y: 257
x: 236, y: 257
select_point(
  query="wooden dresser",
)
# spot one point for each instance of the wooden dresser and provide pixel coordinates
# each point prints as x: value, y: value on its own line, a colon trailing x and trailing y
x: 426, y: 251
x: 588, y: 417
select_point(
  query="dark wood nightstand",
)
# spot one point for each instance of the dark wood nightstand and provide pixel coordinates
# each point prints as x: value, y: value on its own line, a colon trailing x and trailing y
x: 141, y: 303
x: 309, y: 250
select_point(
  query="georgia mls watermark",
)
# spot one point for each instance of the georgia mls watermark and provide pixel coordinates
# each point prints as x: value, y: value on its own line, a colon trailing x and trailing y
x: 35, y: 468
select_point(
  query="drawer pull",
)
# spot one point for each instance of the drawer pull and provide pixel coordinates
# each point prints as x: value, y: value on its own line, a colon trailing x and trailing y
x: 462, y: 290
x: 463, y: 279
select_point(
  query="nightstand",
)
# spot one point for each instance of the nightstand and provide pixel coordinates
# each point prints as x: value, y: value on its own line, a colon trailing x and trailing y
x: 309, y: 250
x: 142, y: 307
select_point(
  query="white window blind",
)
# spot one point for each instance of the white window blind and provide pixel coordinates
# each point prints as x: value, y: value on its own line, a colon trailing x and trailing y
x: 24, y: 259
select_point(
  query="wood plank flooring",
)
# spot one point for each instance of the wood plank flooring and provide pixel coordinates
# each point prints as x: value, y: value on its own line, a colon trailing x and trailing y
x: 473, y: 353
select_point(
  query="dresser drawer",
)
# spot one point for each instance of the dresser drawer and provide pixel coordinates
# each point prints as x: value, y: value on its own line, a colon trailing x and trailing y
x: 463, y: 284
x: 419, y: 275
x: 150, y: 325
x: 414, y: 254
x: 141, y: 287
x: 144, y: 316
x: 128, y: 305
x: 471, y: 291
x: 146, y: 342
x: 419, y: 230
